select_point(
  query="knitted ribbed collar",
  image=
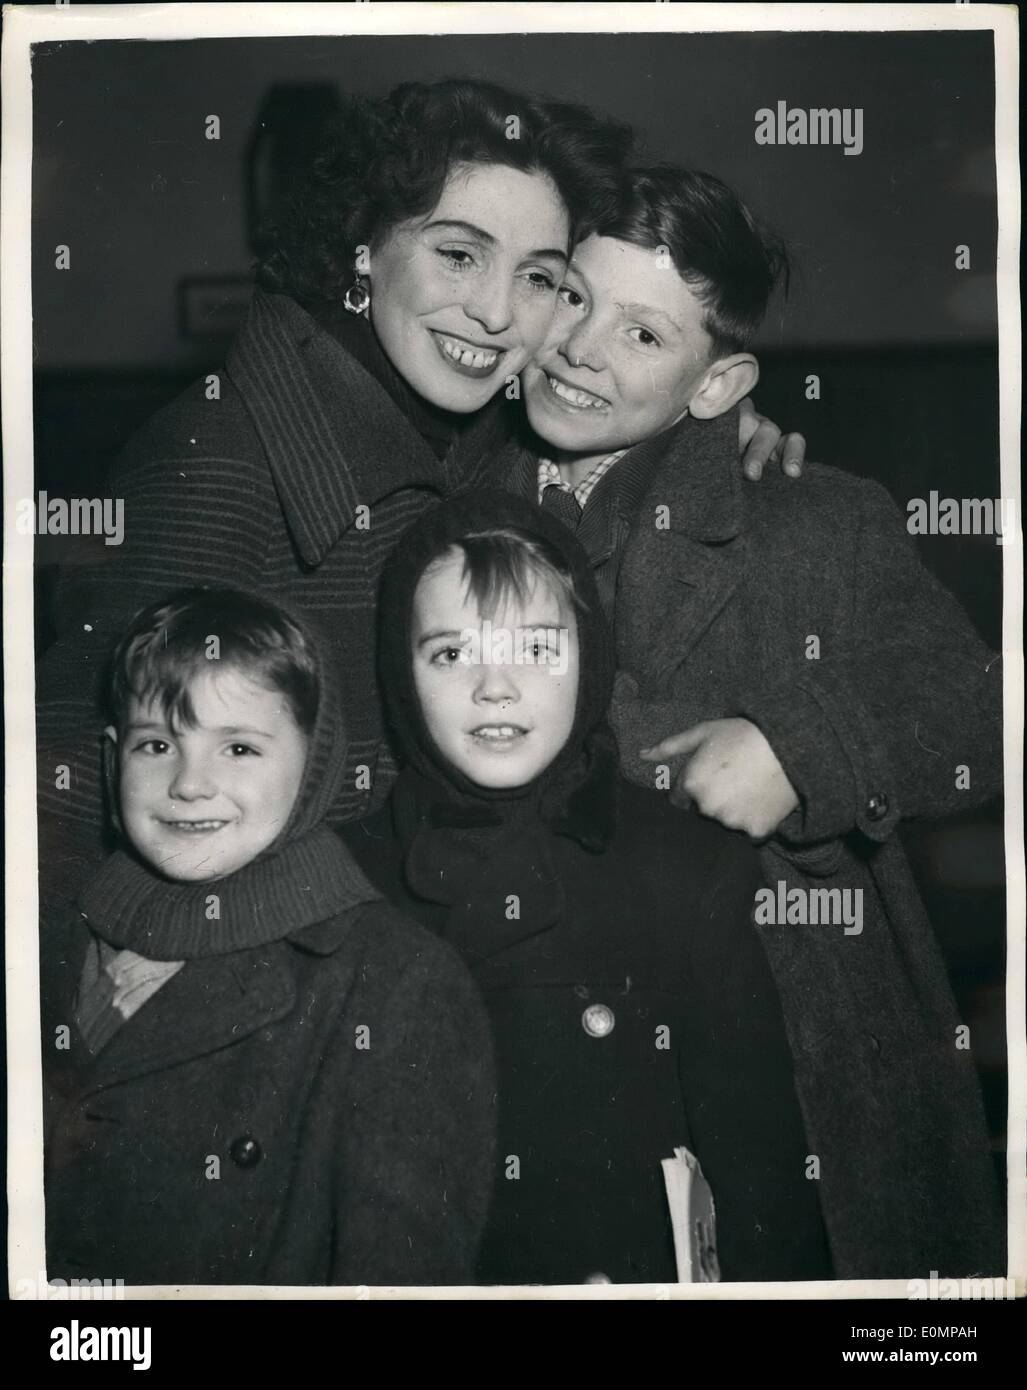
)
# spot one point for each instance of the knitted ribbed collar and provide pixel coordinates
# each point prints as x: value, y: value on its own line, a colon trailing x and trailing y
x: 308, y: 881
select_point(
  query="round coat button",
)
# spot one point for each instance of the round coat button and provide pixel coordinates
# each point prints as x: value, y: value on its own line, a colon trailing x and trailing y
x: 597, y: 1020
x: 877, y: 806
x: 245, y: 1151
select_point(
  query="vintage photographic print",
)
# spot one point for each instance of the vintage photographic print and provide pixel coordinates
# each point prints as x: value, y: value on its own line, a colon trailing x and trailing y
x: 512, y: 654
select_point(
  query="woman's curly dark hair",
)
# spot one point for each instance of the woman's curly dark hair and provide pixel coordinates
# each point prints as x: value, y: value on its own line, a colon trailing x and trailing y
x: 383, y: 161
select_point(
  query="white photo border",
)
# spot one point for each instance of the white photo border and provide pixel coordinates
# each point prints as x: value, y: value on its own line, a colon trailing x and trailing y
x: 27, y: 25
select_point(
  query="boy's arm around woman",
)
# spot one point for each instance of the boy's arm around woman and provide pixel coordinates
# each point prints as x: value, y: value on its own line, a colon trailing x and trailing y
x: 814, y: 619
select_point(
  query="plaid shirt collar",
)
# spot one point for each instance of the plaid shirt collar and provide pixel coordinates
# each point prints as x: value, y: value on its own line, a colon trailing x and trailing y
x: 549, y: 476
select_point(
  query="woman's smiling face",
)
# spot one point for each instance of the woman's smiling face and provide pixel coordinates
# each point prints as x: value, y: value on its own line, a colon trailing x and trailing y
x: 462, y: 298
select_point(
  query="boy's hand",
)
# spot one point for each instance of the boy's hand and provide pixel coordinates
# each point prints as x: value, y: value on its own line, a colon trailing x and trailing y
x: 732, y: 775
x: 760, y: 441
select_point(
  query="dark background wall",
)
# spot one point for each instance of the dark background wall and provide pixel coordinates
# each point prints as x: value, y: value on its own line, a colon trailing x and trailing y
x: 122, y: 166
x: 903, y: 342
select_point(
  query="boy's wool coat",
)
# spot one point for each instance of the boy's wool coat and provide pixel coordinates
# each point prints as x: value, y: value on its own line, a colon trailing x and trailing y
x: 313, y: 1111
x: 721, y: 585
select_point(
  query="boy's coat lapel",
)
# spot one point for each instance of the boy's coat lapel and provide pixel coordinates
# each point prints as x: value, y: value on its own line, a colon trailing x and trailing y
x: 676, y: 579
x: 699, y: 581
x: 209, y: 1005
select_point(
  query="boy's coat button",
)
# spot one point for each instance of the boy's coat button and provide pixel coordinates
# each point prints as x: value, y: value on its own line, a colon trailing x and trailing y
x: 598, y: 1020
x: 245, y: 1151
x: 877, y: 806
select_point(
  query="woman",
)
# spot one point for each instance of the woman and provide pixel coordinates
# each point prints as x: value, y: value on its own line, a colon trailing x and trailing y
x: 408, y: 286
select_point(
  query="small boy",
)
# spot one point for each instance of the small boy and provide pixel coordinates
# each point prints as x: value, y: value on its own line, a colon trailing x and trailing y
x: 256, y: 1071
x: 633, y: 1012
x: 788, y: 666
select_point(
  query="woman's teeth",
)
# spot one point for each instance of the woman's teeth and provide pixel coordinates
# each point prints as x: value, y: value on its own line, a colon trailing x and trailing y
x: 497, y: 731
x: 466, y: 356
x: 574, y: 396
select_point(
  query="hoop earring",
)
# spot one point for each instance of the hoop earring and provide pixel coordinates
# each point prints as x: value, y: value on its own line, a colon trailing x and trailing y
x: 357, y: 298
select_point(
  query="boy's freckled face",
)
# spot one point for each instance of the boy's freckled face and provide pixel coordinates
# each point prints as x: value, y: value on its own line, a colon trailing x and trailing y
x: 498, y: 701
x: 625, y: 355
x: 199, y: 803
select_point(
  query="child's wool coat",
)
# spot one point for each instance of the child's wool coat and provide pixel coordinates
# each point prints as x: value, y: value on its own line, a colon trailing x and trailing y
x: 308, y: 1101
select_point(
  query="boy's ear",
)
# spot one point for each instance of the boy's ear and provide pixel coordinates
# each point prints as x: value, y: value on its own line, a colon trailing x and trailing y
x: 111, y: 733
x: 728, y: 381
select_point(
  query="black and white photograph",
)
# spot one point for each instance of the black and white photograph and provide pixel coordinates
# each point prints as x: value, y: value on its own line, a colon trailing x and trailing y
x: 513, y: 664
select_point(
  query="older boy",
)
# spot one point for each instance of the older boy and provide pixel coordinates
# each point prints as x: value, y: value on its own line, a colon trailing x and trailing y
x: 821, y: 685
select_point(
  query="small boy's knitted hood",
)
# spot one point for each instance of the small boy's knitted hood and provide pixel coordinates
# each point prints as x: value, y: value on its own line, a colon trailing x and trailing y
x: 326, y: 749
x: 305, y: 876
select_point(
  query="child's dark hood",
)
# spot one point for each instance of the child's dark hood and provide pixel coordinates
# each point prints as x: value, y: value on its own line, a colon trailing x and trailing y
x: 573, y: 795
x: 304, y: 877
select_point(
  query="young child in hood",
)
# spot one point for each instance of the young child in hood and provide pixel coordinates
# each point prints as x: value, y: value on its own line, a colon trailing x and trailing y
x: 632, y: 1009
x: 257, y: 1072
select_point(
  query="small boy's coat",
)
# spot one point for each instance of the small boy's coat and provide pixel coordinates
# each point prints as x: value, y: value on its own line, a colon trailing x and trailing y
x: 242, y: 1128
